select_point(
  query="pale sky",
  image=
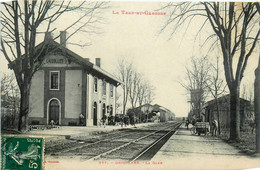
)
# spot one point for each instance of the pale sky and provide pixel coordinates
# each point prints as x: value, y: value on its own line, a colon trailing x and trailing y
x: 162, y: 61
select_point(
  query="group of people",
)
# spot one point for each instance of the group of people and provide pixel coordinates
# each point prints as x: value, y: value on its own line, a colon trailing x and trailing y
x: 214, y: 125
x: 193, y: 122
x: 123, y: 120
x: 102, y: 121
x: 126, y: 120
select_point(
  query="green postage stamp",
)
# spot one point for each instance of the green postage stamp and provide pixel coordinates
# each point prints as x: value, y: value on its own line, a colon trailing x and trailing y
x: 20, y: 152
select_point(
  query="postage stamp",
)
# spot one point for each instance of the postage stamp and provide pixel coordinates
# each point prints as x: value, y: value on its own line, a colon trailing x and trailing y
x: 20, y: 152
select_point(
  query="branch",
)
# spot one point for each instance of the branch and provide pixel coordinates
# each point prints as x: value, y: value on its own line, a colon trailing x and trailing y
x: 249, y: 53
x: 4, y: 52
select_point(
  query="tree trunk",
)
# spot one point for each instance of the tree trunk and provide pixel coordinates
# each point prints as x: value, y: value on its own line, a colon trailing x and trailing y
x: 24, y: 107
x: 257, y: 108
x: 218, y: 115
x: 234, y: 113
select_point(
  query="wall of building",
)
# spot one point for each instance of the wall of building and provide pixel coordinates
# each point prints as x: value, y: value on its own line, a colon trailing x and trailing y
x: 37, y: 98
x: 114, y: 100
x: 163, y: 116
x: 224, y: 114
x: 90, y: 103
x: 99, y: 98
x: 62, y: 65
x: 73, y: 93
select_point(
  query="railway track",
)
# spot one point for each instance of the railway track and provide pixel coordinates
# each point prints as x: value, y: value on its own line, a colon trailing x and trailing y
x: 140, y: 148
x: 79, y: 142
x: 128, y: 145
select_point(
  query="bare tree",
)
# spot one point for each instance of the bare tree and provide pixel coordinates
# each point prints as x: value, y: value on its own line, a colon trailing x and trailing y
x: 149, y: 94
x: 235, y: 27
x: 197, y: 75
x: 257, y: 106
x: 125, y: 73
x: 148, y: 97
x: 118, y: 104
x: 257, y: 98
x: 216, y: 86
x: 22, y: 24
x: 10, y: 101
x: 134, y: 90
x: 141, y: 91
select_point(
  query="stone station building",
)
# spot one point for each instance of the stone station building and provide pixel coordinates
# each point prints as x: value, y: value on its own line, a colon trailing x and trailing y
x: 68, y: 85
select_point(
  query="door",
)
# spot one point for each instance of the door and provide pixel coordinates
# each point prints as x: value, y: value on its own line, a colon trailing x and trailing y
x: 54, y: 109
x: 95, y: 114
x: 104, y: 110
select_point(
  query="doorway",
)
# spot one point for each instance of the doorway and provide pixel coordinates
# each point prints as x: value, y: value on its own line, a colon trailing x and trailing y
x: 54, y: 109
x: 95, y: 114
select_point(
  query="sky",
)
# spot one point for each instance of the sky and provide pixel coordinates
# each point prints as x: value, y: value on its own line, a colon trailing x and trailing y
x: 136, y: 37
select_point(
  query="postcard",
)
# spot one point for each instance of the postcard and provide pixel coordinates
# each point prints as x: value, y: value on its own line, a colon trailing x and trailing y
x: 129, y: 85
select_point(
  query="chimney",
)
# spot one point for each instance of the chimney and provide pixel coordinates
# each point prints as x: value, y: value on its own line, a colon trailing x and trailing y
x: 98, y: 62
x: 48, y: 36
x: 63, y: 38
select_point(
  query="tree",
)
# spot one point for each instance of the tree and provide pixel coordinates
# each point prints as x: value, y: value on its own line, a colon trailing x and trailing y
x: 22, y: 25
x: 134, y: 89
x: 235, y: 28
x: 149, y: 94
x: 148, y: 97
x: 141, y: 91
x: 257, y: 106
x: 197, y: 76
x: 257, y: 98
x: 9, y: 100
x: 216, y: 87
x: 125, y: 72
x: 118, y: 104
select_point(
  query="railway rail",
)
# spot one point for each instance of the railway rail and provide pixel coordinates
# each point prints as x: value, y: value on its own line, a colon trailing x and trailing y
x: 128, y: 145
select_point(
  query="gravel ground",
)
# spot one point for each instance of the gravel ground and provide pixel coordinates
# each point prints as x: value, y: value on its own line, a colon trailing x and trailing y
x: 186, y: 151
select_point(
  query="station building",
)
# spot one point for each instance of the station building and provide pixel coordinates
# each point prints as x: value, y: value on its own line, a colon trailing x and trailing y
x: 161, y: 112
x: 68, y: 86
x: 164, y: 113
x: 209, y: 112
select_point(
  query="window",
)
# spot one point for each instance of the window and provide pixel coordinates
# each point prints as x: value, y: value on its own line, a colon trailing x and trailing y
x: 54, y: 80
x: 95, y: 85
x: 104, y: 88
x: 111, y: 90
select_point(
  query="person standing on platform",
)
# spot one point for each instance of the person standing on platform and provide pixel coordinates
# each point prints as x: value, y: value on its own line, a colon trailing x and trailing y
x: 187, y: 123
x: 104, y: 118
x: 81, y: 119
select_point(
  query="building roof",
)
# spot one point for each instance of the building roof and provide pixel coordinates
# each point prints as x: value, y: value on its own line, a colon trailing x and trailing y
x: 53, y: 47
x: 156, y: 108
x: 225, y: 99
x: 144, y: 105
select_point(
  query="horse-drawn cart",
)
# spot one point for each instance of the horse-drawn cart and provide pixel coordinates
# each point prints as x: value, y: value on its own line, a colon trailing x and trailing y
x: 201, y: 128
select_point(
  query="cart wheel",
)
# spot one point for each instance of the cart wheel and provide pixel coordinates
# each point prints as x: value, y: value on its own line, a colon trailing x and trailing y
x: 193, y: 130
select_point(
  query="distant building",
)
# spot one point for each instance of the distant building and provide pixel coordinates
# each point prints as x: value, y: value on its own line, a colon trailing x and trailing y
x: 161, y: 112
x: 67, y: 85
x: 164, y: 113
x: 210, y: 110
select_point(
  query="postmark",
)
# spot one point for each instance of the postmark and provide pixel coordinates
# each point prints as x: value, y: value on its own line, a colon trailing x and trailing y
x: 20, y: 152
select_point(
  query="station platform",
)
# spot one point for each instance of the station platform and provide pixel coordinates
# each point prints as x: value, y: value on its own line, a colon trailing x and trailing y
x: 63, y: 132
x: 186, y: 151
